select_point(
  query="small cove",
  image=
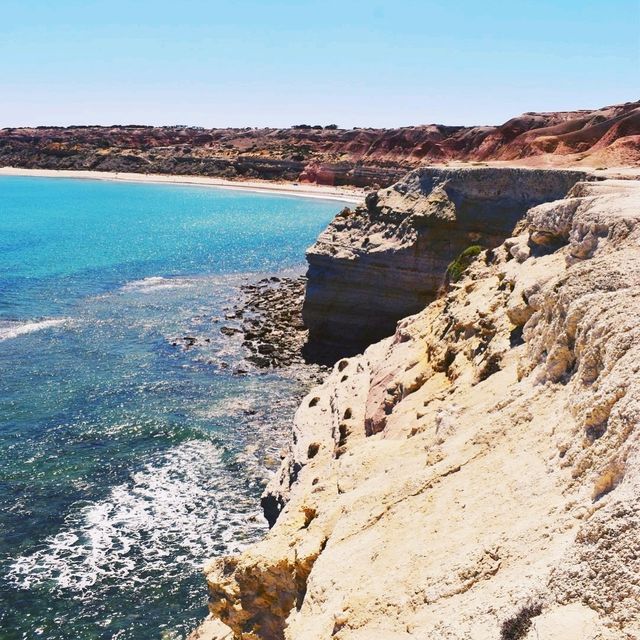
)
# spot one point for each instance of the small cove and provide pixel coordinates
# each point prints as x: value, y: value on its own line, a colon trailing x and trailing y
x: 126, y: 462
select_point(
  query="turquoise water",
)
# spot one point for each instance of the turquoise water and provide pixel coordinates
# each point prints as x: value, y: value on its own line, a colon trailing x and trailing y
x: 125, y: 461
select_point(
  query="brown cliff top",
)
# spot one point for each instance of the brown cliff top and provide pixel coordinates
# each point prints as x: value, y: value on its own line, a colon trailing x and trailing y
x: 361, y: 156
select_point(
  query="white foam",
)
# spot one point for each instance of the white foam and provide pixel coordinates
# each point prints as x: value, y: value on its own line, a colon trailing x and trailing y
x: 12, y: 329
x: 225, y: 407
x: 166, y: 521
x: 153, y: 283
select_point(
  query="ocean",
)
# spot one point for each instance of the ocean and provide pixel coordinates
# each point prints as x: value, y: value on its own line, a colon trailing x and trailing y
x: 127, y: 461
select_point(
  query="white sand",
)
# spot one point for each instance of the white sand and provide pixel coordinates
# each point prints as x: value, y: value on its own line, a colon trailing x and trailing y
x: 305, y: 190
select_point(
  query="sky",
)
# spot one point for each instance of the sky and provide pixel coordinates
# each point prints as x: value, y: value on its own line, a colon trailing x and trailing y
x: 276, y: 63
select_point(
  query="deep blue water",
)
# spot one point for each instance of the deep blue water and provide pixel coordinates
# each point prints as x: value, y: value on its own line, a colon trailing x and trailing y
x: 125, y: 462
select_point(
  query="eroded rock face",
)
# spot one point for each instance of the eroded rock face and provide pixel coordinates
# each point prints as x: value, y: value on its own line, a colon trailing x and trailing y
x: 386, y: 259
x: 329, y: 155
x: 477, y: 471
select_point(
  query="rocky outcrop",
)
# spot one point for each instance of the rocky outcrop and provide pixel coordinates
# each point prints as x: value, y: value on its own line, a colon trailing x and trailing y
x: 386, y: 259
x: 272, y: 326
x: 329, y: 155
x: 476, y: 474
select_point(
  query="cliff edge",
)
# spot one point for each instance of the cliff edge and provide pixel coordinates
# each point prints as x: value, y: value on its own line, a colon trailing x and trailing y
x: 476, y: 474
x: 384, y: 260
x: 361, y: 156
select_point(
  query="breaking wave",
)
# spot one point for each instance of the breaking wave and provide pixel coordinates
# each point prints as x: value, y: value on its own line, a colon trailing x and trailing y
x: 167, y: 520
x: 12, y: 329
x: 153, y: 283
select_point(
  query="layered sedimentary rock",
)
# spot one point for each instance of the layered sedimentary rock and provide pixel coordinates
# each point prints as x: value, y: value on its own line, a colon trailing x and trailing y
x: 477, y: 474
x: 329, y: 155
x: 386, y: 259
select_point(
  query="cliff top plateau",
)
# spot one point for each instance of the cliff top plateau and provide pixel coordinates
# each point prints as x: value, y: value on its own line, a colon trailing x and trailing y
x: 604, y: 137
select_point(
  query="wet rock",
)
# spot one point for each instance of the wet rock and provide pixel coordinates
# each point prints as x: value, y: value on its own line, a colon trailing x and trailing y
x: 266, y: 348
x: 272, y: 326
x: 187, y: 342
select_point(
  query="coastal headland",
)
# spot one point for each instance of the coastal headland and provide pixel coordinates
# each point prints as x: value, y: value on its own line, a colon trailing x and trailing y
x: 475, y: 473
x: 469, y: 467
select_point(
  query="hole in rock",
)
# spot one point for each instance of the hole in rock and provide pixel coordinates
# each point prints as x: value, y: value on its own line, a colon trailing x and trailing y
x: 515, y: 337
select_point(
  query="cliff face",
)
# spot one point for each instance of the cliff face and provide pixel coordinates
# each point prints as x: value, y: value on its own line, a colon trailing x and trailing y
x: 360, y: 157
x: 386, y: 259
x: 475, y: 475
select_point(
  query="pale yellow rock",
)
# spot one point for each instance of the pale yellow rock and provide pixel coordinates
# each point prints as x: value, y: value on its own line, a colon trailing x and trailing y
x: 571, y: 622
x: 212, y: 629
x: 460, y: 472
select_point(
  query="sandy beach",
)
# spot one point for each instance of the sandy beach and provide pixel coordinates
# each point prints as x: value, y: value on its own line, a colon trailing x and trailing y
x: 305, y: 190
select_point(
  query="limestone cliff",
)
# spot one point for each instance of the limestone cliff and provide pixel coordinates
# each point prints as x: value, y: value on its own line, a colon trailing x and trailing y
x: 475, y: 475
x: 385, y: 259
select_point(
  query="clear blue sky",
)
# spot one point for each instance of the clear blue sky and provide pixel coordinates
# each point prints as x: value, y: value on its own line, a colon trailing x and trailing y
x: 278, y: 63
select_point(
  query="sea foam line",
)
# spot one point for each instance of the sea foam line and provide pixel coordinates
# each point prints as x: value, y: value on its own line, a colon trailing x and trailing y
x: 166, y: 521
x: 153, y: 283
x: 15, y: 329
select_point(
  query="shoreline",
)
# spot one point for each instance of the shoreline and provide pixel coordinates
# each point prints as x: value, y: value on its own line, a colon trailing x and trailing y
x: 351, y: 195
